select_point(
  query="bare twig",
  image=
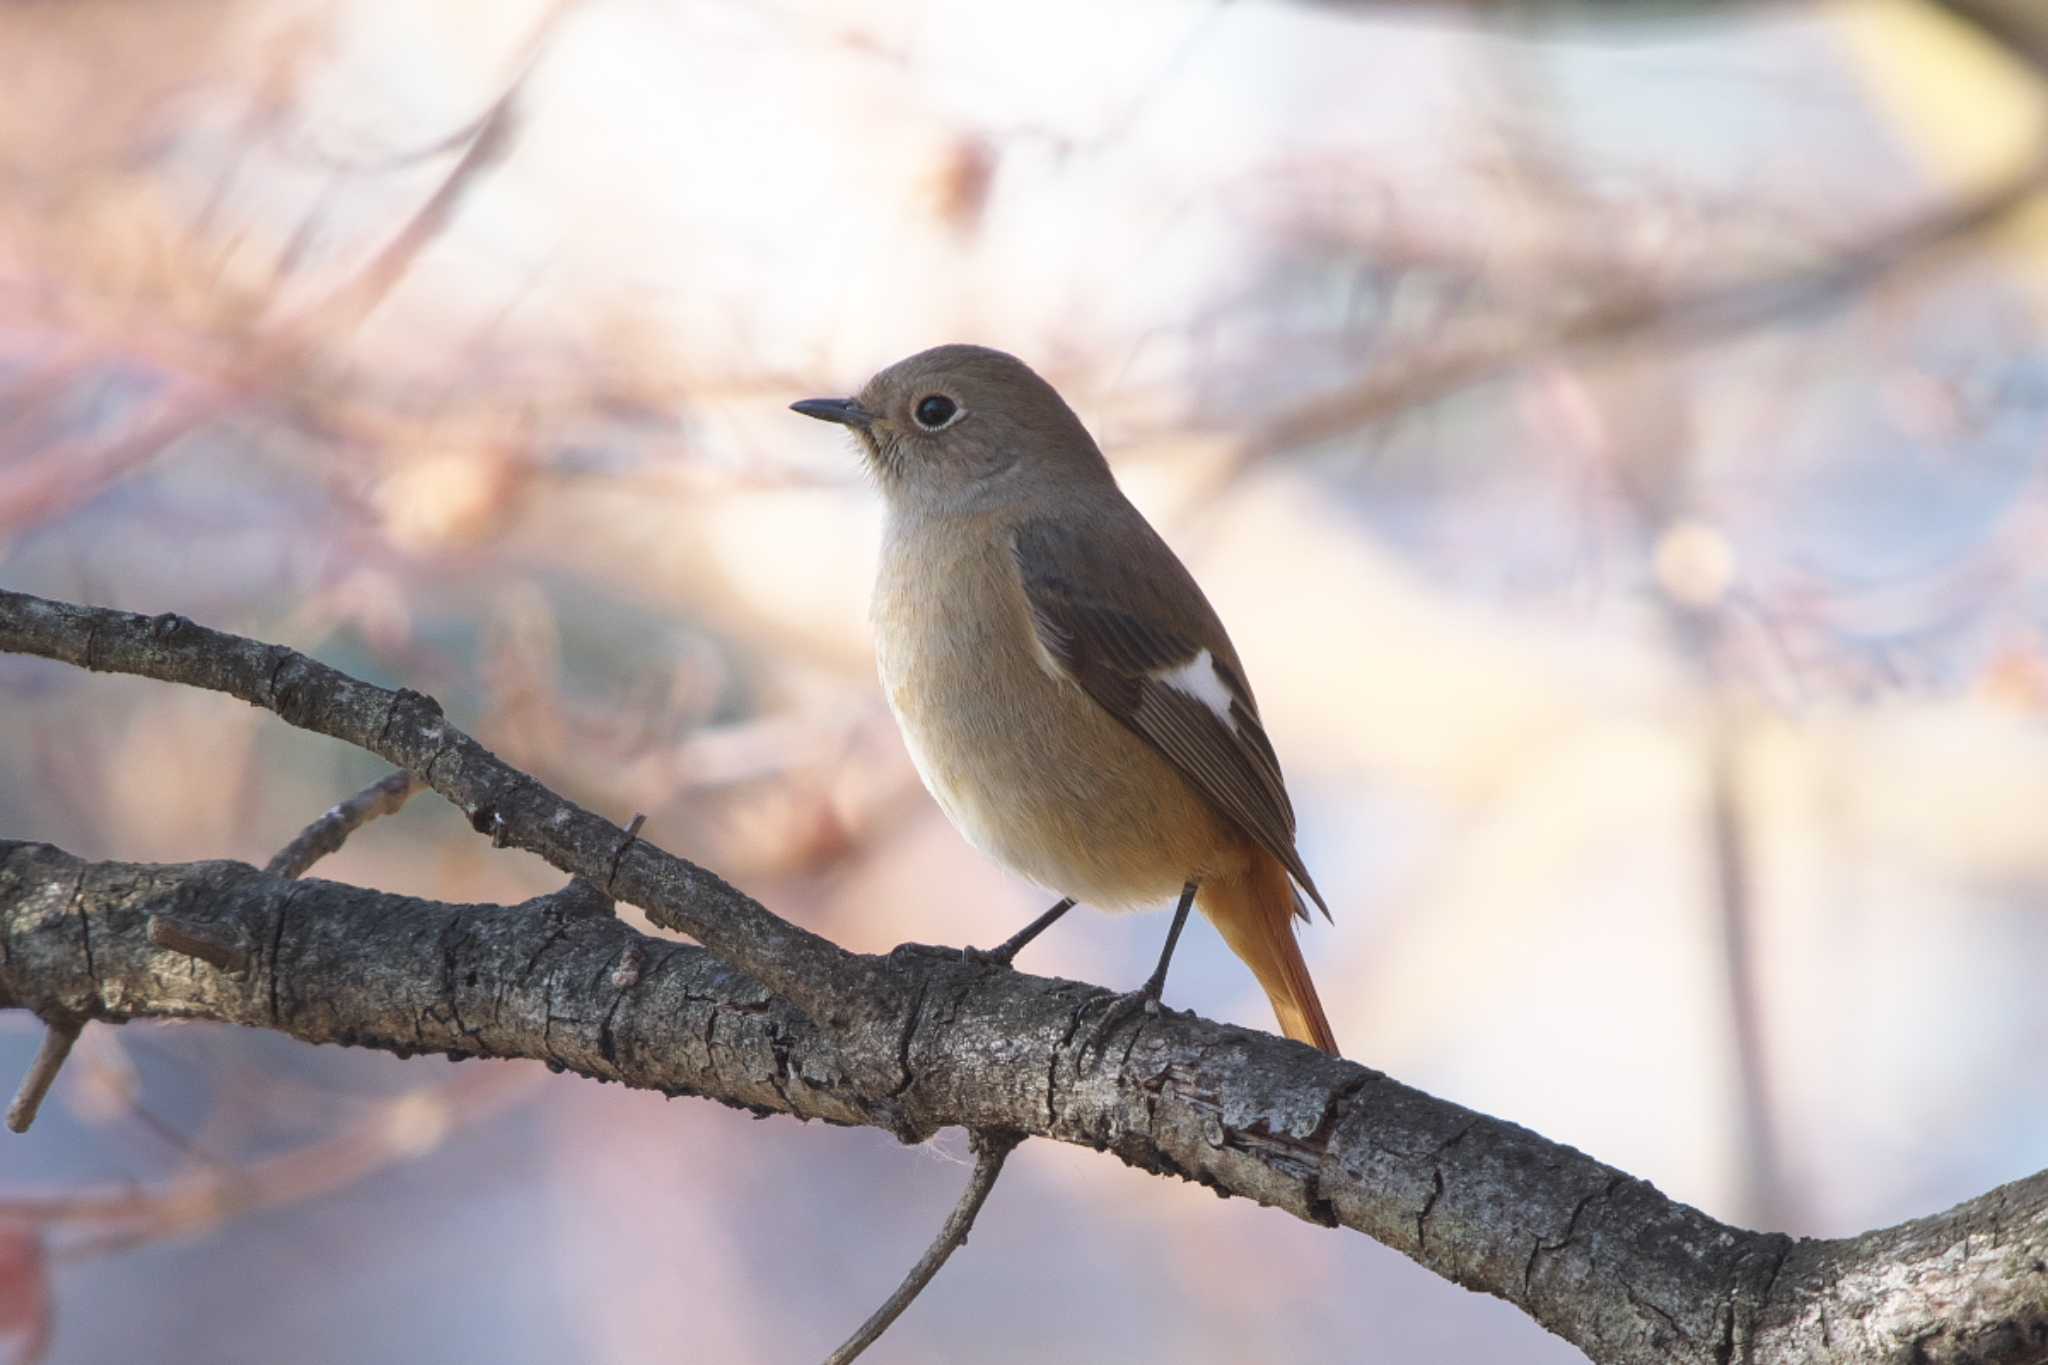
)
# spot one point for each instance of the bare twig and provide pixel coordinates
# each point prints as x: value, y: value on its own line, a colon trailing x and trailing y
x: 577, y: 896
x: 488, y: 143
x: 1764, y: 1167
x: 1704, y: 312
x: 327, y: 834
x: 633, y: 829
x: 66, y: 474
x: 2019, y: 26
x: 53, y: 483
x: 59, y: 1033
x: 179, y: 937
x: 388, y: 1131
x: 991, y: 1150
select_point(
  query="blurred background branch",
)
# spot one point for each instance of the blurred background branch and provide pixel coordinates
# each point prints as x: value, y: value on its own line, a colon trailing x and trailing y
x: 1631, y: 314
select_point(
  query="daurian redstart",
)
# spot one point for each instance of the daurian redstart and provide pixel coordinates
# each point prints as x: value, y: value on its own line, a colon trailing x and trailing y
x: 1066, y: 691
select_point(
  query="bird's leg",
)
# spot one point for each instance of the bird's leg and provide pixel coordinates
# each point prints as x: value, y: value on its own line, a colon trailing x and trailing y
x: 1155, y: 984
x: 1146, y: 997
x: 1003, y: 953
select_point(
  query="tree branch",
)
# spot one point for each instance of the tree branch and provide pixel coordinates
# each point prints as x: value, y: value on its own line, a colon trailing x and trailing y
x: 408, y: 729
x: 59, y: 1034
x: 386, y: 796
x: 1699, y: 313
x: 1599, y: 1257
x: 1591, y: 1253
x: 2018, y: 26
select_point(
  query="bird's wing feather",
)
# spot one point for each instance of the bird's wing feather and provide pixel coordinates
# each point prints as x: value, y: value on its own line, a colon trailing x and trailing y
x: 1179, y: 689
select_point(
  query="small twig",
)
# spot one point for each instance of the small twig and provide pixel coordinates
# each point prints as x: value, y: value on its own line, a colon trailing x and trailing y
x: 1702, y: 312
x: 488, y: 147
x: 1765, y: 1185
x: 52, y: 485
x: 632, y: 833
x: 117, y: 1217
x: 2019, y: 28
x: 577, y: 896
x: 180, y: 937
x: 58, y: 1036
x: 327, y: 834
x: 582, y: 896
x: 990, y: 1151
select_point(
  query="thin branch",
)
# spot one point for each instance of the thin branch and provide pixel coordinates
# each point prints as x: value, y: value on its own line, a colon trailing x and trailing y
x: 386, y: 1132
x: 1763, y: 1176
x: 59, y: 1033
x: 578, y: 896
x: 64, y: 476
x: 165, y: 932
x: 326, y: 835
x: 991, y: 1150
x: 2018, y: 26
x: 1404, y: 381
x: 488, y: 144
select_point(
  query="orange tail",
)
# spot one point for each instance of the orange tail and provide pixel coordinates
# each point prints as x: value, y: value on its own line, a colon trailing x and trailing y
x: 1255, y: 915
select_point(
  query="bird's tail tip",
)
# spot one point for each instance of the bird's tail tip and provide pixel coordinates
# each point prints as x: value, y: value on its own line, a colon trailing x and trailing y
x: 1255, y: 914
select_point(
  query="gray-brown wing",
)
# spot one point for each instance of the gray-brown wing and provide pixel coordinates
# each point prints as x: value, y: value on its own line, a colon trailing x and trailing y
x: 1180, y: 693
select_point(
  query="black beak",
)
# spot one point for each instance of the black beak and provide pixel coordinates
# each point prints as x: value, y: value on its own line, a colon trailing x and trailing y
x: 844, y: 411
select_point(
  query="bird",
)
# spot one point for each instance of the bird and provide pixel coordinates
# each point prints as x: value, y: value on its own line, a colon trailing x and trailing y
x: 1069, y: 697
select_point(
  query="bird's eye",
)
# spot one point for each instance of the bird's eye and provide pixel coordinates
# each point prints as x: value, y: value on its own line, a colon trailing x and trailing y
x: 935, y: 410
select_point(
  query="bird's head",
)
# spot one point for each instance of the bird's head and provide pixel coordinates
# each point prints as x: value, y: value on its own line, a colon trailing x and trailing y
x: 957, y: 421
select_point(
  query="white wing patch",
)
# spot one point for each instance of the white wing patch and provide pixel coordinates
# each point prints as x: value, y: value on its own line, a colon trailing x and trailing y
x: 1199, y: 679
x: 1053, y: 668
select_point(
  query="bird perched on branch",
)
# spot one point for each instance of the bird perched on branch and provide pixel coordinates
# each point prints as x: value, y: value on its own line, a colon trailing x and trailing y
x: 1065, y: 689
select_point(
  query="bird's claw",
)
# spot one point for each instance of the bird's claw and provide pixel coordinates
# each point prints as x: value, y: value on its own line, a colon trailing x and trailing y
x: 1143, y: 1001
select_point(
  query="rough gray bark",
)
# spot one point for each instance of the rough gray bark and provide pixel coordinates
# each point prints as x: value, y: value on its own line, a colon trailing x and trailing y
x: 776, y: 1020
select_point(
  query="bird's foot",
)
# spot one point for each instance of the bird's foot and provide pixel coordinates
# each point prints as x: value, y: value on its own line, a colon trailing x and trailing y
x: 1144, y: 1000
x: 1002, y: 955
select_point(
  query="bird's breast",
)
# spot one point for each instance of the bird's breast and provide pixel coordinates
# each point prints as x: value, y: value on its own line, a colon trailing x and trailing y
x: 1027, y: 767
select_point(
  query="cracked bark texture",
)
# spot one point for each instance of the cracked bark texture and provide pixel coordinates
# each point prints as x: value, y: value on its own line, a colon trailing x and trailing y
x: 776, y: 1020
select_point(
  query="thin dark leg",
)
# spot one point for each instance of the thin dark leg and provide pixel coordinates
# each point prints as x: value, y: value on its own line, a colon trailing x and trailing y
x: 1156, y: 983
x: 1144, y: 1000
x: 1014, y: 944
